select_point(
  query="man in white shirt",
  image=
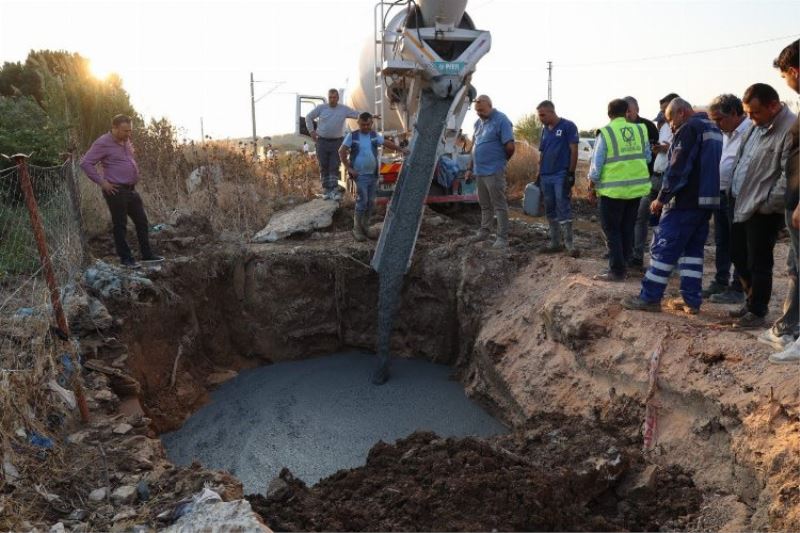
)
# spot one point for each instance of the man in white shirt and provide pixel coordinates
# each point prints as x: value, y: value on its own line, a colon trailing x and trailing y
x: 728, y: 113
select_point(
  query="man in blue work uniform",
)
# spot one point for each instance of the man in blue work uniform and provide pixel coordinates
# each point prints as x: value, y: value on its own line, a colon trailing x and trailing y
x: 359, y: 151
x: 689, y: 194
x: 558, y: 158
x: 493, y: 147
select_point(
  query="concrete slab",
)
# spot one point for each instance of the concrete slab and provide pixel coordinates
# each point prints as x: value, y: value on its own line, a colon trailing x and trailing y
x: 304, y: 218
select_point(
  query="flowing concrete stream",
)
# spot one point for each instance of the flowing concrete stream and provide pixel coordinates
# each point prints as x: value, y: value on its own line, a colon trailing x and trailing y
x: 321, y: 415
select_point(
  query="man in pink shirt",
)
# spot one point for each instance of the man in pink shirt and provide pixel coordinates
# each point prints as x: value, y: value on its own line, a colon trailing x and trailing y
x: 120, y: 174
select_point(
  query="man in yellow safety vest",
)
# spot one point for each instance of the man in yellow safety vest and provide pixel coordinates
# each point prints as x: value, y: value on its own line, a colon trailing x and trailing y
x: 619, y: 176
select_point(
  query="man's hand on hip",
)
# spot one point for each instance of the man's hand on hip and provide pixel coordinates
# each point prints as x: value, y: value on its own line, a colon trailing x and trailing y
x: 314, y: 136
x: 353, y: 173
x: 108, y: 188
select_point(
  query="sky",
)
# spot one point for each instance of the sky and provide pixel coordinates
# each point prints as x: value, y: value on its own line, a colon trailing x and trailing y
x: 185, y: 59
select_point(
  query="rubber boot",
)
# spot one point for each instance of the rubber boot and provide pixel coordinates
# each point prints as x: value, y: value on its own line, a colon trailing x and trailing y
x: 370, y: 232
x: 566, y: 230
x: 358, y: 230
x: 502, y: 231
x: 555, y: 239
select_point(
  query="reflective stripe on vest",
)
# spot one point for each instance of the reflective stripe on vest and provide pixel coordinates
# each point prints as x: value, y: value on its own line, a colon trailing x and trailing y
x: 624, y: 174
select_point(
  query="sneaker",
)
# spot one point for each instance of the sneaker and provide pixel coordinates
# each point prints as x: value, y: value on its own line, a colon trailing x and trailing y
x: 790, y: 355
x: 152, y: 259
x: 738, y: 313
x: 779, y: 342
x: 714, y: 288
x: 727, y: 297
x: 635, y: 303
x: 749, y: 320
x: 678, y: 304
x: 129, y: 262
x: 608, y: 276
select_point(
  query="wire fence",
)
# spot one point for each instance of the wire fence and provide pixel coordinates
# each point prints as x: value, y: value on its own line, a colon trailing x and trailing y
x: 25, y: 302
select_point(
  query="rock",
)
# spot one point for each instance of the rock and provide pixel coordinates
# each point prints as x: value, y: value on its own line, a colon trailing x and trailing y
x: 143, y: 490
x: 58, y: 528
x: 647, y: 479
x: 124, y: 494
x: 79, y: 437
x: 98, y: 495
x: 218, y: 378
x: 122, y: 429
x: 220, y: 516
x: 276, y: 486
x: 77, y: 515
x: 105, y: 395
x: 307, y: 217
x: 124, y: 515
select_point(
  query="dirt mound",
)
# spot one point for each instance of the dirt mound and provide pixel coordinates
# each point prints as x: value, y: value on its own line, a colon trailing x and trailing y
x: 578, y: 479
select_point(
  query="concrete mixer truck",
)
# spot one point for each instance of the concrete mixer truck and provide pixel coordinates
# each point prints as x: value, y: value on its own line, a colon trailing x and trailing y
x: 417, y: 46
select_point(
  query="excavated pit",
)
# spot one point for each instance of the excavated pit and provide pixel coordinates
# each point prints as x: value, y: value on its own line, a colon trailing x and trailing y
x: 547, y: 352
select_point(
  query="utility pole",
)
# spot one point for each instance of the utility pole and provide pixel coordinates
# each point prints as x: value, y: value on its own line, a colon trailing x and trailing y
x: 253, y: 112
x: 202, y: 132
x: 549, y: 82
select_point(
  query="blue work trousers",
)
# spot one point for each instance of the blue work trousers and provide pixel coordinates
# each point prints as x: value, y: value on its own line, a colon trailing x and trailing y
x: 557, y: 202
x: 366, y: 190
x: 679, y: 241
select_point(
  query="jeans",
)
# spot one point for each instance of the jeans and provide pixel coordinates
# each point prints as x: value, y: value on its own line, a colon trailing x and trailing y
x: 328, y: 159
x: 366, y: 190
x: 556, y: 200
x: 722, y: 241
x: 752, y: 244
x: 643, y: 218
x: 123, y: 204
x: 679, y: 240
x: 788, y: 324
x: 617, y: 218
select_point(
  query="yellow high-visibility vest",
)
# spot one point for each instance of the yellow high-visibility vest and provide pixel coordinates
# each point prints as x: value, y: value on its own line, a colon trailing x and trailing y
x: 625, y: 175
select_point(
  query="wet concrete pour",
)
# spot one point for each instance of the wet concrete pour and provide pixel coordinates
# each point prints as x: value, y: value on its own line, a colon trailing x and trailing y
x: 321, y: 415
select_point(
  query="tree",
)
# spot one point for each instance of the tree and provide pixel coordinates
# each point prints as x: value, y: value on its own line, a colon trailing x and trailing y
x: 78, y: 104
x: 26, y: 128
x: 529, y: 128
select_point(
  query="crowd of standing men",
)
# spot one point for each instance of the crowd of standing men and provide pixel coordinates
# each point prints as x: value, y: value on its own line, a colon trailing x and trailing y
x: 738, y: 163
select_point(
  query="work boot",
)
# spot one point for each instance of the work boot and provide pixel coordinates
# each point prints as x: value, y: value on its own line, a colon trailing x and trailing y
x: 750, y: 320
x: 714, y: 288
x: 370, y: 232
x: 481, y: 235
x: 635, y: 303
x: 555, y: 239
x: 727, y: 297
x: 358, y: 230
x: 566, y: 230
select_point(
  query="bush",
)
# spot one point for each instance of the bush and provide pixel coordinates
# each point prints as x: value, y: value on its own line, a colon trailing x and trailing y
x: 522, y: 169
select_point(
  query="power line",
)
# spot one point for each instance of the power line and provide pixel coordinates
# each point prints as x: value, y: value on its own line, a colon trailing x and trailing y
x: 680, y: 54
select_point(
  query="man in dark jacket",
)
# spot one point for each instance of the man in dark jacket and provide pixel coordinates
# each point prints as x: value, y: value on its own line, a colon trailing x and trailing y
x: 689, y: 194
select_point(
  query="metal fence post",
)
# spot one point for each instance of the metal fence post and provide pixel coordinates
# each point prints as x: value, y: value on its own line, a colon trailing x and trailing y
x: 47, y: 268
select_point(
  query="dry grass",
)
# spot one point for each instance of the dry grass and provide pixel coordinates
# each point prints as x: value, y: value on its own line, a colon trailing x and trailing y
x: 232, y: 190
x: 522, y: 169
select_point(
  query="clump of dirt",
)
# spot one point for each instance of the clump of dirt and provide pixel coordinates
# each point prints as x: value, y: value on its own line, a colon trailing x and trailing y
x: 562, y: 475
